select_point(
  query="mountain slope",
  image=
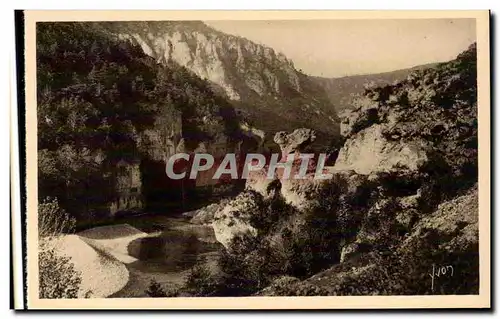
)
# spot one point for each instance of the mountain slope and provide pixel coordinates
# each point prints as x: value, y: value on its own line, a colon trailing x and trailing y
x: 101, y: 102
x: 377, y: 229
x: 342, y: 91
x: 263, y: 85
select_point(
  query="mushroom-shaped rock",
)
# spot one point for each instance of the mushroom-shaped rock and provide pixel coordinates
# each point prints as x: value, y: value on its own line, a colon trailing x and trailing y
x: 295, y: 141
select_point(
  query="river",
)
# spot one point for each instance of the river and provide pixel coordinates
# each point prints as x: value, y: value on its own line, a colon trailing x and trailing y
x: 171, y: 249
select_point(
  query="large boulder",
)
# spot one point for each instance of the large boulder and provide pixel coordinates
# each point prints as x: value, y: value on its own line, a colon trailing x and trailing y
x: 308, y: 192
x: 235, y: 218
x: 370, y: 152
x: 295, y: 141
x: 289, y: 143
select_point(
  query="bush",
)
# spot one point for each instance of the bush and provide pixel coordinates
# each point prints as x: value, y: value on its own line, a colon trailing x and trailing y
x: 407, y: 272
x: 251, y: 264
x: 52, y: 220
x: 155, y: 290
x: 200, y: 282
x: 242, y: 271
x: 57, y: 276
x: 289, y: 243
x: 313, y: 247
x: 274, y: 210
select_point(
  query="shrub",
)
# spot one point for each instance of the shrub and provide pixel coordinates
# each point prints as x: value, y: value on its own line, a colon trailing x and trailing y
x: 244, y: 269
x: 201, y: 282
x: 238, y: 278
x: 57, y: 276
x: 311, y: 248
x: 273, y: 210
x: 289, y: 242
x: 407, y: 272
x: 52, y: 220
x: 155, y: 290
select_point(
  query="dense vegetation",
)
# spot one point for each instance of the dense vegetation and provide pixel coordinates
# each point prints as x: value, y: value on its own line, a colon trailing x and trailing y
x: 386, y: 233
x: 99, y: 101
x: 57, y: 275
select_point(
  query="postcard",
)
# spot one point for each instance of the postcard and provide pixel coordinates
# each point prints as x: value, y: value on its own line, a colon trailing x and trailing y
x: 255, y: 159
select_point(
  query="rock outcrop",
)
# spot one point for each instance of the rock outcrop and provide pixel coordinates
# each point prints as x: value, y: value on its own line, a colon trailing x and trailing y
x: 259, y: 182
x: 205, y: 51
x: 428, y: 119
x: 293, y: 190
x: 368, y: 151
x: 295, y: 141
x: 235, y: 218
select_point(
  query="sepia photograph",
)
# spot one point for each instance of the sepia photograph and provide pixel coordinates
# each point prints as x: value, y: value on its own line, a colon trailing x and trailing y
x: 173, y: 157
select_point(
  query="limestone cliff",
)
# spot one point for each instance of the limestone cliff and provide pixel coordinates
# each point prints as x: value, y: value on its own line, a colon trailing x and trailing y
x: 263, y: 84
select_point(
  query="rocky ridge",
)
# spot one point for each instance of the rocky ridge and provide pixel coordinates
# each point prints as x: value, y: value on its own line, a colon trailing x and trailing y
x: 263, y: 84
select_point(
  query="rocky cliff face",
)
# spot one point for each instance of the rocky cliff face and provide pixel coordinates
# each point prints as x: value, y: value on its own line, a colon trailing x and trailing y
x: 429, y: 117
x: 218, y: 57
x: 263, y: 84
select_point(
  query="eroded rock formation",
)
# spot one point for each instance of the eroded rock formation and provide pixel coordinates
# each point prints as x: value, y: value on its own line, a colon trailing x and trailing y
x: 234, y: 219
x: 295, y: 141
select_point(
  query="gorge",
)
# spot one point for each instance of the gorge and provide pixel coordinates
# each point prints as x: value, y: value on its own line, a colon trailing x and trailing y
x: 117, y: 99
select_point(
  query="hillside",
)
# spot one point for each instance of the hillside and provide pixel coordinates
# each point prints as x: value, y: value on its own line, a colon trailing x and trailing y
x: 262, y: 84
x: 402, y: 197
x: 102, y: 103
x: 342, y: 91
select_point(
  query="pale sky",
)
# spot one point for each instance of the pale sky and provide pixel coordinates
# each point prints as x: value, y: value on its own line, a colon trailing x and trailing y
x: 335, y: 48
